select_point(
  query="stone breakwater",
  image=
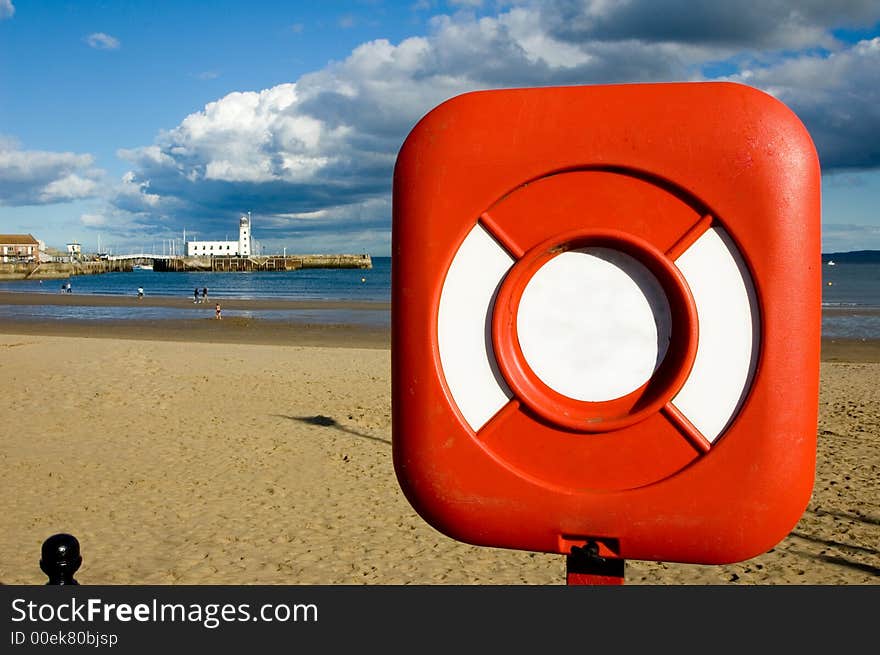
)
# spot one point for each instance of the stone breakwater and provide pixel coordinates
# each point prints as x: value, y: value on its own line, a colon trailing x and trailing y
x: 59, y: 270
x: 64, y: 270
x: 262, y: 263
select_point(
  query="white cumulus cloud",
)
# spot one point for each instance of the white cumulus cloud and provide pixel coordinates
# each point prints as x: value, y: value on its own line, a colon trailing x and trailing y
x: 317, y: 154
x: 93, y: 220
x: 837, y: 97
x: 34, y: 177
x: 101, y: 41
x: 7, y: 9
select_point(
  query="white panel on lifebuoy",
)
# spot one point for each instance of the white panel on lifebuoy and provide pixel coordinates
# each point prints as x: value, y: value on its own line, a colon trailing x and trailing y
x: 728, y: 327
x: 594, y: 324
x: 464, y: 324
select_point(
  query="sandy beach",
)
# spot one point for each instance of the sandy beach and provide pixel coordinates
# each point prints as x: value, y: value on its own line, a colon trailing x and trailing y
x: 240, y: 452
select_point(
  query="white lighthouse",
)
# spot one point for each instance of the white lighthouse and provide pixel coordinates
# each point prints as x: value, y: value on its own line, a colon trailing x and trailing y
x: 244, y: 247
x: 244, y: 236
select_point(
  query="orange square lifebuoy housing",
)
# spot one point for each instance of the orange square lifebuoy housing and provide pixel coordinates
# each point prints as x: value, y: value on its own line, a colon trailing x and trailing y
x: 606, y: 309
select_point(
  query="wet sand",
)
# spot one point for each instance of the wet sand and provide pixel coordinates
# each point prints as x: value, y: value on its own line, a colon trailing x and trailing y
x: 94, y: 300
x: 229, y: 330
x: 187, y: 452
x: 851, y: 350
x: 202, y: 327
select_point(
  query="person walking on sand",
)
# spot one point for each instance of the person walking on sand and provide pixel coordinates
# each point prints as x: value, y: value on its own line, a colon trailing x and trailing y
x: 217, y: 312
x: 69, y: 290
x: 205, y: 294
x: 195, y: 295
x: 140, y: 292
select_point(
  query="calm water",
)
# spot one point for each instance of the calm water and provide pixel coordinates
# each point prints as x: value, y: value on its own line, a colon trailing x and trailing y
x: 852, y: 285
x: 851, y: 294
x: 852, y: 300
x: 373, y: 285
x: 309, y: 284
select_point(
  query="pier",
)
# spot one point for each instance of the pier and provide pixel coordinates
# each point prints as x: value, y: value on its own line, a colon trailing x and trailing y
x: 166, y: 263
x: 62, y: 270
x: 261, y: 263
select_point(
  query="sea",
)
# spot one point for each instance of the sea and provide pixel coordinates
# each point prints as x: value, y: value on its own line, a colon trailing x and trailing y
x: 851, y: 300
x: 850, y: 295
x: 353, y: 285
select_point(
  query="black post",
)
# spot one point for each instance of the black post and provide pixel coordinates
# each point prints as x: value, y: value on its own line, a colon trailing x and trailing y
x: 585, y: 566
x: 60, y: 559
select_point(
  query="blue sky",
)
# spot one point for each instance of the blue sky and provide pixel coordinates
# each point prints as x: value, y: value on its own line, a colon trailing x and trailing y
x: 129, y: 121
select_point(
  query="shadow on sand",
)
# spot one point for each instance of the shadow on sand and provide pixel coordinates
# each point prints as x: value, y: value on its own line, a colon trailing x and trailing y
x: 328, y: 422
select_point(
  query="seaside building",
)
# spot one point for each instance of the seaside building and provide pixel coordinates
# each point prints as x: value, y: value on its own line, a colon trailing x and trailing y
x: 241, y: 248
x: 74, y: 251
x: 43, y: 255
x: 19, y: 247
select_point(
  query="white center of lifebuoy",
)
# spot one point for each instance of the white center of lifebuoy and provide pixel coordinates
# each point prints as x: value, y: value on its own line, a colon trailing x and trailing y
x: 594, y: 324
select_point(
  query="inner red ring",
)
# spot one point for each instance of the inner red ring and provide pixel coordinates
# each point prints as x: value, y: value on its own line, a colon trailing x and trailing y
x: 587, y: 416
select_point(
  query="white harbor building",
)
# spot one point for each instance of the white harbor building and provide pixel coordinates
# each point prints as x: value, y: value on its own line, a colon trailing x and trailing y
x: 241, y: 248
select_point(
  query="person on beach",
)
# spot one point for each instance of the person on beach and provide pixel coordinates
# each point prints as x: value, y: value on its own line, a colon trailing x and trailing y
x: 140, y: 292
x: 195, y: 295
x: 69, y: 289
x: 217, y: 311
x: 205, y: 294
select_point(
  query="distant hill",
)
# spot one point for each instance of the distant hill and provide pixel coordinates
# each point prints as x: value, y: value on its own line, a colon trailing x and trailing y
x: 855, y: 256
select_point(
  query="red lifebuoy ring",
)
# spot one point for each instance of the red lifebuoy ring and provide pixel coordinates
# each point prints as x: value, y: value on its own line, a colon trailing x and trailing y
x: 534, y: 405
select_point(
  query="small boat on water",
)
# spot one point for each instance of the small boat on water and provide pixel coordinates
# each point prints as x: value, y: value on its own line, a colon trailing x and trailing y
x: 831, y: 263
x: 142, y: 267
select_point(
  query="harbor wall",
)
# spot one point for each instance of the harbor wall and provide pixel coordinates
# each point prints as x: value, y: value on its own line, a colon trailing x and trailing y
x: 262, y: 263
x: 59, y: 270
x: 64, y: 270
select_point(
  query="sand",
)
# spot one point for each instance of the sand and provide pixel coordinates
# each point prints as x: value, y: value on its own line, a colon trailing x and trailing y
x: 181, y: 456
